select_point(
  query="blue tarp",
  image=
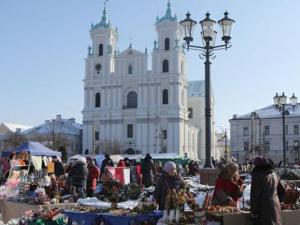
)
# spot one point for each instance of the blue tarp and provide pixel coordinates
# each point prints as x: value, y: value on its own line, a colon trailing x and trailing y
x: 94, y: 218
x: 33, y: 148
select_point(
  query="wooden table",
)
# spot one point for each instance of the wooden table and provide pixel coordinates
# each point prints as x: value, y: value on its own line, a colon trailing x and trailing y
x: 10, y: 210
x: 289, y: 217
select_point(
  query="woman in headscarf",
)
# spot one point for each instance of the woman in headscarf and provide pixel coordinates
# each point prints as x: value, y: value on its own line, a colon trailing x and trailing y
x: 264, y: 201
x: 168, y: 181
x: 229, y: 186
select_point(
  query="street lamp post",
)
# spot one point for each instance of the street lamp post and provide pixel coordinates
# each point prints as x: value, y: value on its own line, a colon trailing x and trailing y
x: 280, y: 104
x: 208, y: 35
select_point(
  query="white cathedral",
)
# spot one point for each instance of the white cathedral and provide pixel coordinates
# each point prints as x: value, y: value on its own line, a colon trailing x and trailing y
x: 128, y: 108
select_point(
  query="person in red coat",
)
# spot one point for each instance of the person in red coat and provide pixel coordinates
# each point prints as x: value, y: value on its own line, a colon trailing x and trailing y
x: 229, y: 186
x: 92, y: 178
x: 121, y: 163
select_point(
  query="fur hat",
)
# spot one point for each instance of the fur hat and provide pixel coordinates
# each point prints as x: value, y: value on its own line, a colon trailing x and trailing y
x: 231, y: 168
x: 169, y: 166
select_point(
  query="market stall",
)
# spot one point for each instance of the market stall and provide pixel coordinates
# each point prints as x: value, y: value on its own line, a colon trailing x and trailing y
x: 10, y: 210
x: 125, y: 219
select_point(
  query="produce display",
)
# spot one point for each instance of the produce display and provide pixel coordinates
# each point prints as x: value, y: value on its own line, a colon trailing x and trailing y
x: 43, y: 217
x: 222, y: 209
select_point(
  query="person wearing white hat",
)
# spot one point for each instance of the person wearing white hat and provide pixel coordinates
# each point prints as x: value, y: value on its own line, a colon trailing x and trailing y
x: 168, y: 181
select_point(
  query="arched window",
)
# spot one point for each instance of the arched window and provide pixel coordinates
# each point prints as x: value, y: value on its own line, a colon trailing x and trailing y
x: 100, y: 49
x: 129, y: 69
x: 165, y: 97
x: 97, y: 100
x: 167, y: 44
x: 132, y: 100
x: 165, y: 66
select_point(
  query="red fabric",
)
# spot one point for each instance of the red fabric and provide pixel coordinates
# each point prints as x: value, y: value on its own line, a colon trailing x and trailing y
x: 93, y: 176
x: 227, y: 186
x: 121, y: 163
x: 139, y: 172
x: 120, y: 174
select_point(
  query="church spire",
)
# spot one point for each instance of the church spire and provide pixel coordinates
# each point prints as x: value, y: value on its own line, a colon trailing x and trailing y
x: 103, y: 23
x: 168, y: 15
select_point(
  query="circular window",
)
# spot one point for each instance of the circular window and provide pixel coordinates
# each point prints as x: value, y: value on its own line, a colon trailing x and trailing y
x: 98, y: 68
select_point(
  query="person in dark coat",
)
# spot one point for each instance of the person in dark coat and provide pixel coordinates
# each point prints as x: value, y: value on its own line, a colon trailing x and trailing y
x: 93, y: 175
x: 229, y: 186
x: 169, y: 180
x: 264, y: 201
x: 78, y: 177
x: 58, y: 167
x: 148, y: 171
x: 106, y: 162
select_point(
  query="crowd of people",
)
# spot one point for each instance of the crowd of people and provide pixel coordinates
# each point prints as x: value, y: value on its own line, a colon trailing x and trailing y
x: 82, y: 177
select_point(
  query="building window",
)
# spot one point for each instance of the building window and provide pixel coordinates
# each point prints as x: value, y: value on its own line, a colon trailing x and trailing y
x: 129, y: 130
x: 97, y: 135
x: 296, y: 129
x: 165, y: 134
x: 98, y: 68
x: 246, y: 146
x: 267, y: 130
x: 296, y: 144
x: 101, y: 50
x: 190, y: 110
x: 246, y: 131
x: 267, y: 146
x: 129, y: 69
x: 132, y: 100
x: 286, y: 129
x: 167, y: 44
x: 165, y: 68
x: 165, y: 97
x: 98, y: 100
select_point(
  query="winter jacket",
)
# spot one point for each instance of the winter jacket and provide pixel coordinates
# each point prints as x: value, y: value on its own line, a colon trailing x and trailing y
x: 226, y: 190
x: 59, y: 169
x: 264, y: 200
x: 93, y: 175
x: 78, y: 174
x: 148, y: 172
x: 164, y: 185
x: 106, y: 162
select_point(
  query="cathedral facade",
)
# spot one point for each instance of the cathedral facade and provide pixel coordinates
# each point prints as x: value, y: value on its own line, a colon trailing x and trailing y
x: 129, y: 108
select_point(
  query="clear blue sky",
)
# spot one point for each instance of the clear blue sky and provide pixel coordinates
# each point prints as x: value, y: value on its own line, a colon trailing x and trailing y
x: 43, y: 45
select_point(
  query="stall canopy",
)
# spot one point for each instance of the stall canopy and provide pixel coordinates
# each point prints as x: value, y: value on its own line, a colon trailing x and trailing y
x: 33, y: 148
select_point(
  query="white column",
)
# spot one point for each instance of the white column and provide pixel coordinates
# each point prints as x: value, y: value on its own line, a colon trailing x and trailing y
x: 151, y: 138
x: 144, y: 137
x: 114, y: 98
x: 140, y: 97
x: 176, y: 137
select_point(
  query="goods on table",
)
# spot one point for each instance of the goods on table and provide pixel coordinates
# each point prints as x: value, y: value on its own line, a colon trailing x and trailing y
x: 145, y: 207
x: 42, y: 217
x: 222, y: 209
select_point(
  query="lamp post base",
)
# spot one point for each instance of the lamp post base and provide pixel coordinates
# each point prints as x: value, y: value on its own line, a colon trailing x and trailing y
x: 208, y: 176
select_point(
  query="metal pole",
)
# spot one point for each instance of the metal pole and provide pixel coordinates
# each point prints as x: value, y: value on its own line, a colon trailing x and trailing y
x: 283, y: 134
x: 225, y: 145
x: 208, y: 161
